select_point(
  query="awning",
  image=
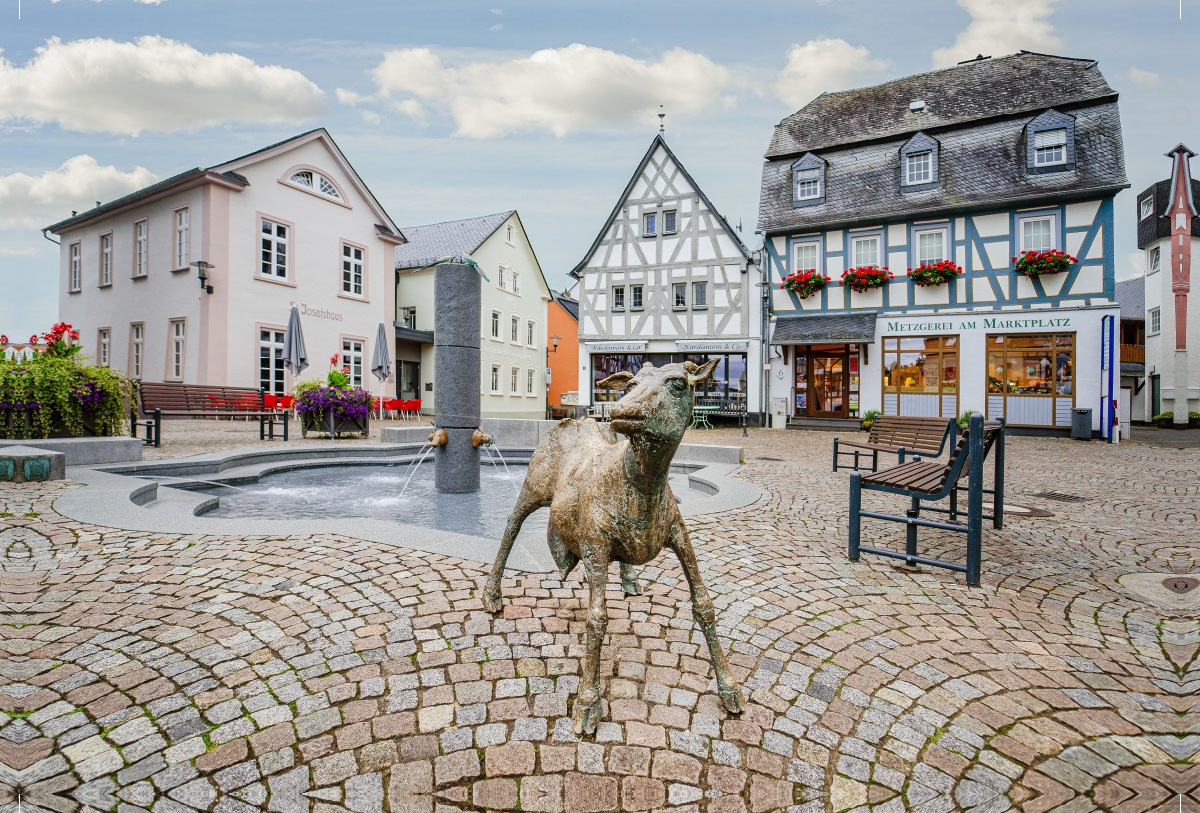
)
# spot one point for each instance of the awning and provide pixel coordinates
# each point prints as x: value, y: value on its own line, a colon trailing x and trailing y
x: 821, y: 328
x: 408, y: 334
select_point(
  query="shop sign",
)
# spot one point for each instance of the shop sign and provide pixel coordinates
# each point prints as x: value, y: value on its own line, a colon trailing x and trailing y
x: 710, y: 347
x: 616, y: 347
x: 316, y: 313
x: 975, y: 324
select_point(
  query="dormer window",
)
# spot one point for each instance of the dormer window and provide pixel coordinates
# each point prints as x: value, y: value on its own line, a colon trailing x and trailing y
x: 1050, y: 147
x: 808, y: 181
x: 316, y: 182
x: 1050, y: 143
x: 919, y: 164
x: 1146, y: 208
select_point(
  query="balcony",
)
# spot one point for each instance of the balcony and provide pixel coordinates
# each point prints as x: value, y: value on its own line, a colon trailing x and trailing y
x: 1135, y: 353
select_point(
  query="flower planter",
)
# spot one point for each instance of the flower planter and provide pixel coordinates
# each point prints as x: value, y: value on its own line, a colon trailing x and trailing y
x: 932, y: 275
x: 866, y: 278
x: 1166, y: 423
x: 1193, y: 423
x: 1036, y: 264
x: 329, y: 425
x: 23, y: 419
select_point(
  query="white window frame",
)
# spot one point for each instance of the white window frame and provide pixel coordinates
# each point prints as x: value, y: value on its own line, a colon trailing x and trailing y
x: 273, y: 343
x: 515, y: 380
x: 496, y: 324
x: 106, y: 260
x: 676, y: 287
x: 315, y: 183
x: 1155, y: 260
x: 815, y: 245
x: 636, y: 297
x: 500, y: 278
x: 700, y: 294
x: 495, y: 379
x: 868, y: 238
x: 1054, y: 238
x: 509, y: 235
x: 352, y: 357
x: 354, y: 276
x: 1043, y: 147
x: 918, y: 234
x: 618, y: 297
x: 269, y: 244
x: 104, y: 347
x: 515, y: 332
x: 530, y: 373
x: 650, y: 224
x: 137, y: 340
x: 808, y: 183
x: 668, y: 226
x: 530, y: 335
x: 918, y: 168
x: 516, y: 282
x: 183, y: 226
x: 1146, y: 208
x: 177, y: 358
x: 1155, y: 321
x: 74, y: 279
x: 141, y: 248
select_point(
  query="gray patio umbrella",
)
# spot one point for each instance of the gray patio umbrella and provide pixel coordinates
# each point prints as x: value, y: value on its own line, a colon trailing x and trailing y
x: 295, y: 357
x: 381, y: 362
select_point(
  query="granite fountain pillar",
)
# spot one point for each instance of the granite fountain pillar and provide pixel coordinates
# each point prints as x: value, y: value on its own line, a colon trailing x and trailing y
x: 458, y: 308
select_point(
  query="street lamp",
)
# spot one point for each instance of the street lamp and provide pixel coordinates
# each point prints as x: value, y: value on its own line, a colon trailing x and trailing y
x: 554, y: 341
x: 201, y: 268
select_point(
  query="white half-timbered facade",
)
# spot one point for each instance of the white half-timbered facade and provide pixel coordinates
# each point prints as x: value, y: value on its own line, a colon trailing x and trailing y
x: 668, y: 280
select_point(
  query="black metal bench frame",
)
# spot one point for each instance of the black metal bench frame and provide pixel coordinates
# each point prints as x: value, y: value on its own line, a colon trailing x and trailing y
x: 971, y: 454
x: 267, y: 418
x: 900, y: 451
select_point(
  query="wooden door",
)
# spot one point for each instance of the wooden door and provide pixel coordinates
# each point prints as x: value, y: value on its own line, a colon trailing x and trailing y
x: 828, y: 385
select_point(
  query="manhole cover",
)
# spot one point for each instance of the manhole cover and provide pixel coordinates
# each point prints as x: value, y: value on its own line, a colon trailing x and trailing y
x: 1058, y: 495
x: 1180, y: 584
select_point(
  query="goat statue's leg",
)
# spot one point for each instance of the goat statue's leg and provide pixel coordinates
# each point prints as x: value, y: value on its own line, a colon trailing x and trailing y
x: 629, y: 582
x: 527, y: 503
x: 587, y: 702
x: 706, y: 617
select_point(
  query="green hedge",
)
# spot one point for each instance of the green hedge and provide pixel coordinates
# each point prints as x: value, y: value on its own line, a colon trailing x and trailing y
x: 59, y: 393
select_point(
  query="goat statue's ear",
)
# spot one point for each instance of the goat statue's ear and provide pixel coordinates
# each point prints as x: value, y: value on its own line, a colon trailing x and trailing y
x: 616, y: 381
x: 698, y: 374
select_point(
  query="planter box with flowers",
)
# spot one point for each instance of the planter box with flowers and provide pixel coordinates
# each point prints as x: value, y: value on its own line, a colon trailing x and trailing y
x: 934, y: 273
x: 333, y: 408
x: 804, y: 283
x: 866, y: 278
x: 1037, y: 263
x: 48, y: 391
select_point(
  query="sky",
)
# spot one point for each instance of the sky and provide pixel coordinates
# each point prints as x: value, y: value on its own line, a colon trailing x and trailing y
x: 457, y: 109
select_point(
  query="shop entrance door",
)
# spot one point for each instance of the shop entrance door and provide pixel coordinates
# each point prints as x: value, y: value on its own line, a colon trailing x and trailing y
x: 828, y: 386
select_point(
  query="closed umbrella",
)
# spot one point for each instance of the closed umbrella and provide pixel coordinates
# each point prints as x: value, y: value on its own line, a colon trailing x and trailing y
x: 381, y: 362
x: 295, y: 357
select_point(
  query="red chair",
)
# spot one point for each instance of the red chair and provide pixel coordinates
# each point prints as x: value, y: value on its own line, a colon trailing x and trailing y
x: 287, y: 401
x: 415, y: 408
x: 269, y: 401
x: 394, y: 406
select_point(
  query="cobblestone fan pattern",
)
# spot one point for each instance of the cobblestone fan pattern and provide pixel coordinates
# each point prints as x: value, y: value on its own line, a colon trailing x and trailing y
x: 143, y: 672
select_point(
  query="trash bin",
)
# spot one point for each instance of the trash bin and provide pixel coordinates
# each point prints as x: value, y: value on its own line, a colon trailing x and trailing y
x: 1081, y: 424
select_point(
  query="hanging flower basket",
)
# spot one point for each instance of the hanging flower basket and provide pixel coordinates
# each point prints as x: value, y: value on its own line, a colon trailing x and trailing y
x: 804, y: 283
x: 1036, y: 263
x: 865, y: 278
x: 934, y: 273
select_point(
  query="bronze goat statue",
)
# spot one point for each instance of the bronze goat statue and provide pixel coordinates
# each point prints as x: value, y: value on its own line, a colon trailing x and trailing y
x: 609, y: 500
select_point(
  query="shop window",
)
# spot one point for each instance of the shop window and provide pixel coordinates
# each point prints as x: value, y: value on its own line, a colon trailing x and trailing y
x: 920, y: 376
x: 1031, y: 378
x: 827, y: 380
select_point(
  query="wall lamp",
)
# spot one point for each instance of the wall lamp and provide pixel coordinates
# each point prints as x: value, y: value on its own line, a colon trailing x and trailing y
x: 201, y: 268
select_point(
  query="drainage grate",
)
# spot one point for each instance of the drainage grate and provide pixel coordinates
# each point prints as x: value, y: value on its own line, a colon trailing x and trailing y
x: 1180, y: 584
x: 1058, y: 495
x: 771, y: 459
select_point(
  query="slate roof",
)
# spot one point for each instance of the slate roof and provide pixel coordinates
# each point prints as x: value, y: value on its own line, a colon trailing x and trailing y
x: 1131, y: 296
x: 970, y: 91
x: 981, y: 159
x: 428, y: 244
x: 569, y: 304
x: 1158, y: 226
x: 824, y: 327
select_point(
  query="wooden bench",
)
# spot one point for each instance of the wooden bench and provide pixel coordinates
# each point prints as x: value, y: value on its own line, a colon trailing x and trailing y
x: 924, y: 481
x: 167, y: 400
x: 900, y: 436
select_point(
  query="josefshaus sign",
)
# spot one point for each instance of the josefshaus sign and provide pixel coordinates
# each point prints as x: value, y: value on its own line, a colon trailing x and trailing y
x: 982, y: 323
x: 316, y: 313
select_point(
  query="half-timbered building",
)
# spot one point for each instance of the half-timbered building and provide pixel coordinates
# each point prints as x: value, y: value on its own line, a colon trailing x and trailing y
x: 973, y: 164
x: 667, y: 280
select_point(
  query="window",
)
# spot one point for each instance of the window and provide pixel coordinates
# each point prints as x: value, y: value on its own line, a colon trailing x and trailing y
x: 669, y: 222
x: 529, y: 374
x: 1146, y: 208
x: 1155, y: 259
x: 270, y: 361
x: 178, y: 348
x: 495, y: 378
x: 508, y: 234
x: 1050, y: 147
x: 651, y: 226
x: 352, y: 270
x: 274, y: 249
x: 918, y: 167
x: 808, y: 184
x: 619, y: 298
x: 102, y: 347
x: 516, y: 282
x: 75, y: 282
x: 804, y: 257
x: 866, y: 252
x: 137, y: 336
x: 352, y: 357
x: 316, y: 182
x: 529, y: 334
x: 699, y: 294
x: 105, y: 259
x: 516, y: 371
x: 182, y: 218
x: 495, y: 324
x: 1037, y: 234
x: 914, y: 365
x: 408, y: 317
x: 501, y: 277
x: 1155, y: 321
x: 140, y: 240
x: 635, y: 292
x: 516, y: 328
x: 680, y: 294
x: 1021, y: 367
x: 931, y: 247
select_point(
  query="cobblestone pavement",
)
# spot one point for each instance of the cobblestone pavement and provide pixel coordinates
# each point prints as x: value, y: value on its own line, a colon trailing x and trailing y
x: 324, y: 674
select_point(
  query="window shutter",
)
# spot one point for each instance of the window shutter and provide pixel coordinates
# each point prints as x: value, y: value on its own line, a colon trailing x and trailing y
x: 1050, y: 138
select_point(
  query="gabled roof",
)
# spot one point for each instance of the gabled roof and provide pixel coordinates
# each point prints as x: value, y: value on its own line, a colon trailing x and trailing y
x: 1181, y: 162
x: 427, y: 244
x: 227, y: 175
x: 1131, y: 296
x: 569, y: 304
x: 658, y: 141
x: 971, y: 91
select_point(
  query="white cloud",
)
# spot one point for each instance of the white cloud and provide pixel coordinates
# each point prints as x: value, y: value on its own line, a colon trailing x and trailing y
x: 34, y: 201
x: 496, y: 27
x: 99, y: 85
x: 1146, y: 79
x: 561, y: 90
x: 497, y: 11
x: 1000, y: 27
x: 1137, y: 264
x: 823, y: 65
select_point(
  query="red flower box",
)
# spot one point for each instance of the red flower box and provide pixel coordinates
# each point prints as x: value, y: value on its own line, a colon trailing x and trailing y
x: 804, y: 283
x: 865, y: 278
x: 1036, y: 263
x: 934, y: 273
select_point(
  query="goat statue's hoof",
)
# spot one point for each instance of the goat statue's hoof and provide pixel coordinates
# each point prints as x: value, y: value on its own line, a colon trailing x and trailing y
x: 632, y: 587
x: 492, y: 602
x: 731, y: 698
x: 587, y: 716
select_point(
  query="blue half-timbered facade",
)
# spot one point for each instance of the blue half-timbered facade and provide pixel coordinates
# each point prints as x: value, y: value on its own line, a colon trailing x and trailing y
x: 972, y: 164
